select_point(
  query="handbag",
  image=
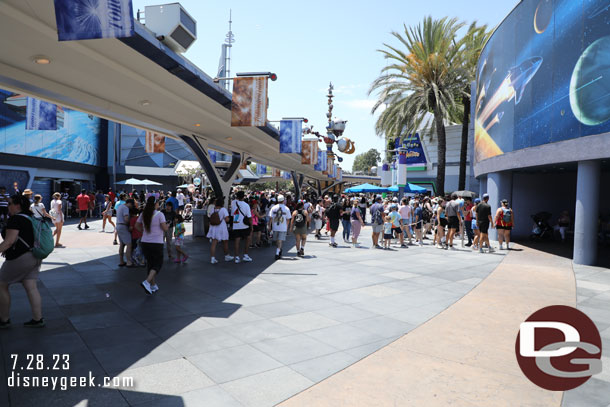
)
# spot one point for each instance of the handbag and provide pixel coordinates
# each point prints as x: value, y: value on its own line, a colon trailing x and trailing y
x: 247, y: 221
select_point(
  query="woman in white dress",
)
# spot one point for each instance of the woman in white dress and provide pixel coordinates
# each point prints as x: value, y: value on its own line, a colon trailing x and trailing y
x: 57, y: 212
x: 219, y: 232
x: 318, y: 215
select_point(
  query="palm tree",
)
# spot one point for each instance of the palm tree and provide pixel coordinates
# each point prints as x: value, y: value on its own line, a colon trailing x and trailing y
x: 423, y: 77
x: 472, y: 45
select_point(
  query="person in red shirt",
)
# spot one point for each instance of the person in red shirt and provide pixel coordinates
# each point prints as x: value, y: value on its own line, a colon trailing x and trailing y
x: 112, y: 196
x: 468, y: 219
x: 83, y: 206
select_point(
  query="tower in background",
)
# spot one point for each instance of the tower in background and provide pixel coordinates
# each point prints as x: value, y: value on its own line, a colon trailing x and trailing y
x: 224, y: 65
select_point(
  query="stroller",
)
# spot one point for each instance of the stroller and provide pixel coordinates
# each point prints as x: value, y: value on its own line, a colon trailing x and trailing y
x: 541, y: 230
x: 187, y: 214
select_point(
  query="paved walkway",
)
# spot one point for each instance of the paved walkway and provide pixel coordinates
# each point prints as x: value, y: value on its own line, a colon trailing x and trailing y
x: 257, y: 334
x: 228, y: 335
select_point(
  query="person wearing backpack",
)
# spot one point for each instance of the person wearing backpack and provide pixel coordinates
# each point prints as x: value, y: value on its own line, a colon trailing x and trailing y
x: 334, y: 213
x: 278, y: 224
x: 299, y: 224
x: 377, y: 217
x: 218, y: 232
x: 504, y: 223
x: 242, y: 225
x: 21, y: 265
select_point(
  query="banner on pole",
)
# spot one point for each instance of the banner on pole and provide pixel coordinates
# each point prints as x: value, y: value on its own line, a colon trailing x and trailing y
x: 319, y: 165
x: 309, y: 152
x: 40, y: 115
x: 291, y: 132
x: 155, y: 143
x: 339, y: 174
x: 261, y: 169
x: 249, y: 104
x: 286, y: 175
x: 276, y: 173
x: 91, y: 19
x: 386, y: 175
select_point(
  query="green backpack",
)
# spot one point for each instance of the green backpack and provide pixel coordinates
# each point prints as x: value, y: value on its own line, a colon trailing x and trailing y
x: 43, y: 238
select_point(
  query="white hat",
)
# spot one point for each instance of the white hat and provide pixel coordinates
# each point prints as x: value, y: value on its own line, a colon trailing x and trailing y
x: 280, y: 198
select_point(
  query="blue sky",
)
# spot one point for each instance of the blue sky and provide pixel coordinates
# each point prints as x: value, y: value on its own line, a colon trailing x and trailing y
x: 308, y: 44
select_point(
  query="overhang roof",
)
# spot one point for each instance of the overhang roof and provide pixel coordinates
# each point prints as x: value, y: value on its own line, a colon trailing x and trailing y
x: 111, y: 77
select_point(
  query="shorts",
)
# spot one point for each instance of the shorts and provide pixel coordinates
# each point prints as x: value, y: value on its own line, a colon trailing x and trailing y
x: 240, y: 233
x: 300, y: 231
x: 3, y: 210
x: 83, y: 214
x: 181, y: 207
x: 318, y: 224
x: 179, y: 241
x: 281, y: 236
x: 24, y: 267
x: 483, y: 226
x: 257, y: 228
x: 454, y: 222
x: 387, y: 237
x: 334, y: 224
x: 443, y: 222
x: 474, y: 225
x: 500, y: 227
x: 377, y: 228
x: 398, y: 231
x: 123, y: 233
x: 153, y: 253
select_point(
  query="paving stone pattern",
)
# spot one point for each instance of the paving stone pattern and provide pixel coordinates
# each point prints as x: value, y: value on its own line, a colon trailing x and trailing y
x: 249, y: 334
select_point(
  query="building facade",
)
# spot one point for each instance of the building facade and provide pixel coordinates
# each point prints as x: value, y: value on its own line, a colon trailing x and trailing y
x: 542, y: 117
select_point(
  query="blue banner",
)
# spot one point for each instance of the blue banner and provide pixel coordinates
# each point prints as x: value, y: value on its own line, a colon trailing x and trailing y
x: 261, y: 169
x: 415, y: 151
x: 291, y: 132
x: 320, y: 165
x: 286, y: 175
x: 90, y: 19
x: 40, y: 115
x: 213, y: 155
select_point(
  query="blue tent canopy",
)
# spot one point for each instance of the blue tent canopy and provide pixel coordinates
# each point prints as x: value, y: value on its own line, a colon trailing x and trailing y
x: 412, y: 188
x: 365, y: 188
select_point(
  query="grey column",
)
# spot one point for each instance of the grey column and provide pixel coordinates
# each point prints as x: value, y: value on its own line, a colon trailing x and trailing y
x: 587, y: 212
x: 482, y: 185
x: 499, y: 186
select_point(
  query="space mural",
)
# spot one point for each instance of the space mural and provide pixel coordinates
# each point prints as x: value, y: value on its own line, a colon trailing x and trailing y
x: 544, y: 76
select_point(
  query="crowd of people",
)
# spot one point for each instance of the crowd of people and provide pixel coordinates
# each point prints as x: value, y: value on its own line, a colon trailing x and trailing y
x: 147, y: 225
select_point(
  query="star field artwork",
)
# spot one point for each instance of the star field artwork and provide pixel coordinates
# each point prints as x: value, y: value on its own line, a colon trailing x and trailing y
x: 544, y: 76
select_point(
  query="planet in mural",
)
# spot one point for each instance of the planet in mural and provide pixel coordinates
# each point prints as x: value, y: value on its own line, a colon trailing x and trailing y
x: 543, y: 15
x: 590, y: 84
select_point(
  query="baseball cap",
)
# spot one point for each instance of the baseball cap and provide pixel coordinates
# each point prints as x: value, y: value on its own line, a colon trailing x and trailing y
x: 504, y: 201
x: 477, y: 200
x: 485, y: 196
x: 280, y: 198
x: 395, y: 199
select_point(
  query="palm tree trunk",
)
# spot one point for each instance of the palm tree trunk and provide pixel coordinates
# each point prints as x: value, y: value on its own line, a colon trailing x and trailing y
x: 442, y: 150
x: 464, y: 146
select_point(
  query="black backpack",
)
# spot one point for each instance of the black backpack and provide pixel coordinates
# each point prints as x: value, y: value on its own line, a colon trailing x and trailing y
x: 333, y: 211
x: 377, y: 216
x: 300, y: 219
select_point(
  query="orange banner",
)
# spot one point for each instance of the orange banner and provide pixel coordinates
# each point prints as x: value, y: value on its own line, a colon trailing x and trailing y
x: 249, y: 104
x: 309, y: 152
x: 155, y: 143
x: 276, y: 173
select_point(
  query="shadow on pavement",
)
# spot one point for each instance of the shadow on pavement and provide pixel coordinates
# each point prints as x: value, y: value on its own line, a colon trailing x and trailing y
x: 101, y: 320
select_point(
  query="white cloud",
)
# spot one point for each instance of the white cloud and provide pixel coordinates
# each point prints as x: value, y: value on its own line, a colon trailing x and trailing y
x: 366, y: 104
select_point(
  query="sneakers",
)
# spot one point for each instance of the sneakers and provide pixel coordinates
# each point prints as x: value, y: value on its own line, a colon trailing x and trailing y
x: 177, y: 260
x: 102, y: 231
x: 5, y: 324
x: 146, y: 285
x: 228, y: 257
x: 154, y: 288
x: 501, y: 246
x: 333, y: 244
x: 185, y: 258
x: 247, y: 258
x: 86, y: 226
x: 214, y: 261
x: 301, y: 253
x: 481, y: 250
x: 33, y: 323
x: 404, y: 246
x: 115, y: 243
x: 79, y: 228
x: 491, y: 250
x: 237, y: 261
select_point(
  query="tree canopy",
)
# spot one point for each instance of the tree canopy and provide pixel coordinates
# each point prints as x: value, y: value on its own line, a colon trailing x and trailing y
x: 364, y: 161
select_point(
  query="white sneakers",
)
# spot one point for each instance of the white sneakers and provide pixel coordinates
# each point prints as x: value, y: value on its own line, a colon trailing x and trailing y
x: 146, y: 285
x: 245, y: 258
x: 214, y: 261
x: 228, y: 257
x: 154, y: 288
